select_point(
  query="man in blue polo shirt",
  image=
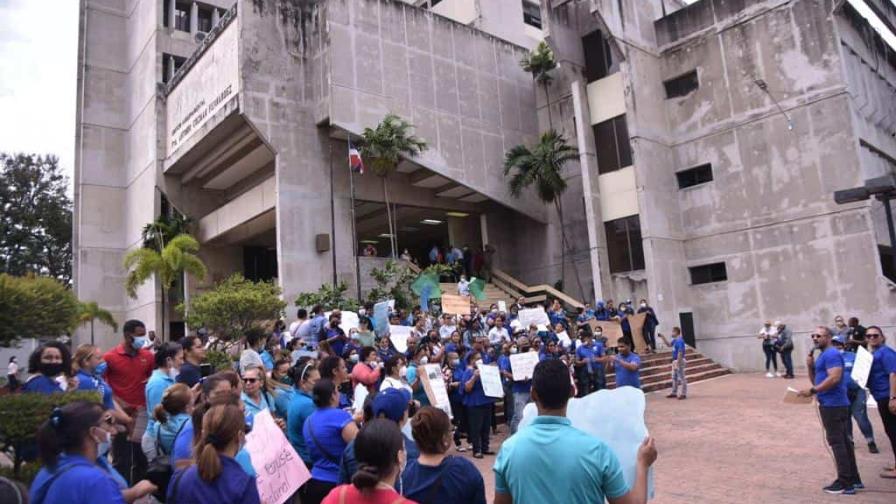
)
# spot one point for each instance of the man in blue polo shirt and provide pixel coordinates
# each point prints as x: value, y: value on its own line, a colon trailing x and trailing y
x: 882, y: 384
x: 826, y: 375
x: 627, y: 364
x: 552, y: 461
x: 679, y: 380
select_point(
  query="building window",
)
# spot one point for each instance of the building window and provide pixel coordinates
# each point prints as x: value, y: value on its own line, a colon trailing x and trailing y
x: 182, y: 16
x: 694, y: 176
x: 682, y: 85
x: 205, y: 19
x: 170, y: 65
x: 624, y: 247
x: 708, y: 273
x: 612, y: 145
x: 532, y: 14
x: 598, y: 56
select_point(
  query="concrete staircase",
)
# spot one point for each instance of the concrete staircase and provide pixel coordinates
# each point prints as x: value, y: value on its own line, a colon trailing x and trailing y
x: 656, y: 370
x: 493, y: 294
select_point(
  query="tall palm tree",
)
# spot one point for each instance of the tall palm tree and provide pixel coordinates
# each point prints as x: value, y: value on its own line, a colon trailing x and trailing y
x: 176, y: 259
x: 383, y: 147
x: 539, y: 63
x: 160, y: 231
x: 90, y: 311
x: 542, y: 167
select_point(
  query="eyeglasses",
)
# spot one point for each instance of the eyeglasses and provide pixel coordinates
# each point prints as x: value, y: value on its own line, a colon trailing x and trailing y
x: 250, y: 380
x: 873, y: 335
x: 816, y: 336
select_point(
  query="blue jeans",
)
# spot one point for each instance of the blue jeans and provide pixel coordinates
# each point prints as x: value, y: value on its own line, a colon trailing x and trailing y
x: 860, y: 413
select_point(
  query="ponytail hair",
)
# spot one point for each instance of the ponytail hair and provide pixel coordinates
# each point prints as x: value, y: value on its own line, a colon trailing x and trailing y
x: 322, y: 392
x: 221, y: 425
x: 175, y: 400
x: 66, y: 429
x: 376, y: 449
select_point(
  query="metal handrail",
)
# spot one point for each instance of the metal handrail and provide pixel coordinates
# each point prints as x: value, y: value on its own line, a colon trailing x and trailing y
x: 536, y: 289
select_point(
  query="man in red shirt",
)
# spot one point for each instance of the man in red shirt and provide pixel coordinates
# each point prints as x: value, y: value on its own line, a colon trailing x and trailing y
x: 129, y: 366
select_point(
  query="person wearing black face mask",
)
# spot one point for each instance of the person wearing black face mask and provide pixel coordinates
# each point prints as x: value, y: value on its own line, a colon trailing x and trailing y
x: 53, y: 362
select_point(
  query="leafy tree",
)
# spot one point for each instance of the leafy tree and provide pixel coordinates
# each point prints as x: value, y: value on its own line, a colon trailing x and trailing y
x: 330, y: 297
x: 539, y: 63
x: 383, y: 147
x: 35, y: 217
x: 162, y: 230
x: 90, y: 311
x: 34, y: 307
x: 393, y: 281
x: 235, y: 306
x: 177, y: 259
x: 542, y: 167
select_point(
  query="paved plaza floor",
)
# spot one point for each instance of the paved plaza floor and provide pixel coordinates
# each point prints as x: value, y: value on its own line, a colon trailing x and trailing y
x: 734, y: 441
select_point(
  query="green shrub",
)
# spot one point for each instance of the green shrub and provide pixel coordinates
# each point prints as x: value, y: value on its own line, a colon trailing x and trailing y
x: 220, y: 360
x: 329, y: 297
x: 234, y: 306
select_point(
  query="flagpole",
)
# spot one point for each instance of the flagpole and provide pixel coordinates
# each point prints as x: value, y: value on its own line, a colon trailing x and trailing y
x: 355, y: 244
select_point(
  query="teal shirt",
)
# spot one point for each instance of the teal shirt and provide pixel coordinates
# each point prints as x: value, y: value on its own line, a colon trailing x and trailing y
x: 552, y: 461
x: 155, y: 387
x: 301, y: 406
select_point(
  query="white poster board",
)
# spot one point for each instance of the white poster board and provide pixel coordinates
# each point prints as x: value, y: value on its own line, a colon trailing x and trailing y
x: 502, y: 306
x: 861, y: 368
x: 537, y: 315
x: 616, y: 417
x: 491, y: 381
x: 523, y: 365
x: 349, y: 320
x: 399, y: 336
x: 435, y: 388
x: 279, y: 470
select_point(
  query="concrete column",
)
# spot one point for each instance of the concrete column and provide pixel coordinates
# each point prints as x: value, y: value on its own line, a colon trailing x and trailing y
x: 194, y: 19
x: 170, y: 67
x: 215, y: 17
x: 171, y: 10
x: 590, y: 191
x: 483, y: 225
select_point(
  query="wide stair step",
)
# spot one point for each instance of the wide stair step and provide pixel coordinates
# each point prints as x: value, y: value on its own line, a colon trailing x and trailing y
x: 656, y: 370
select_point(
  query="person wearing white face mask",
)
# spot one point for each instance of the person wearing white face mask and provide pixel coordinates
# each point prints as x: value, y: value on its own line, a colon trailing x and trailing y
x: 396, y: 371
x: 169, y: 357
x: 650, y: 324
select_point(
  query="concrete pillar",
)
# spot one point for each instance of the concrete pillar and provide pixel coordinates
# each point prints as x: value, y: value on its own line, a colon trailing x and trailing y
x: 588, y: 163
x: 194, y: 19
x: 171, y: 10
x: 483, y: 225
x: 170, y: 67
x: 215, y: 17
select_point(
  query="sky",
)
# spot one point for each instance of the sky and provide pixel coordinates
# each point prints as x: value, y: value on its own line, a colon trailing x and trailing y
x: 38, y: 75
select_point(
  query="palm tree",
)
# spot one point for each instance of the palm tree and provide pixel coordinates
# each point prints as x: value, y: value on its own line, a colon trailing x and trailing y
x: 160, y: 231
x: 542, y: 166
x: 176, y: 259
x: 539, y: 63
x: 384, y: 146
x: 90, y: 311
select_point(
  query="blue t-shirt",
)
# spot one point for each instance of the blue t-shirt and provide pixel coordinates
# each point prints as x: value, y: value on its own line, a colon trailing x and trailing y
x: 879, y: 378
x: 189, y: 374
x: 624, y: 377
x: 836, y: 396
x: 849, y: 360
x: 268, y: 360
x: 504, y: 365
x: 457, y: 375
x: 155, y: 387
x: 266, y: 401
x: 183, y: 450
x: 301, y: 406
x: 166, y: 434
x: 475, y: 397
x: 42, y: 385
x: 327, y: 445
x: 338, y: 344
x: 678, y: 347
x: 233, y: 485
x: 456, y: 479
x: 589, y: 353
x: 91, y: 382
x: 82, y: 482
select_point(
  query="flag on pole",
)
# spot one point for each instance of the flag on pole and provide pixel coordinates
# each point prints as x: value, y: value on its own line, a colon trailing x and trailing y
x: 355, y: 163
x: 477, y: 288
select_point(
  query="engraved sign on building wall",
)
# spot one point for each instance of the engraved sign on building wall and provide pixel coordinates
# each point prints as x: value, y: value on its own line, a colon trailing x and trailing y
x: 209, y: 85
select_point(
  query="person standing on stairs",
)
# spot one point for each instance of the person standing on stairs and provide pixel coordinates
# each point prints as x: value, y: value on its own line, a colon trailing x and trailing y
x: 679, y: 379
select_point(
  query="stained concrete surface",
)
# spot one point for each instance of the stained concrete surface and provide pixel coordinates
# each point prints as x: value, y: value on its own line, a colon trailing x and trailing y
x: 734, y: 441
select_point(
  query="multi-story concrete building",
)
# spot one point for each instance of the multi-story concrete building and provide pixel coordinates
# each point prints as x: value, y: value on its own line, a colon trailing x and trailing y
x: 711, y: 136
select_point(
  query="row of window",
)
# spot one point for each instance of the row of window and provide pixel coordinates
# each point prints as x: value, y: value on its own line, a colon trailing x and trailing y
x: 182, y: 12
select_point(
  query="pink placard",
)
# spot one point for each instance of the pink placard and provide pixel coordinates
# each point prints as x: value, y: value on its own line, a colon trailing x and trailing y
x: 280, y: 471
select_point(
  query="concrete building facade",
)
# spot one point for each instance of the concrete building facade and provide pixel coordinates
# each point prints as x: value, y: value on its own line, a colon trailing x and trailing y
x: 711, y: 139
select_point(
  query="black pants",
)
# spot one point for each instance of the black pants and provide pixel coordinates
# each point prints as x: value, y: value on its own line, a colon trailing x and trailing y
x: 316, y: 490
x: 770, y: 358
x: 585, y: 381
x: 650, y: 337
x: 459, y: 420
x: 508, y: 404
x: 788, y: 362
x: 479, y: 418
x: 836, y: 422
x: 889, y: 421
x: 128, y: 458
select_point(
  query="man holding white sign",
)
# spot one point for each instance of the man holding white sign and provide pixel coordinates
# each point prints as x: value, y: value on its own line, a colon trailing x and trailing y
x: 522, y: 365
x: 477, y: 403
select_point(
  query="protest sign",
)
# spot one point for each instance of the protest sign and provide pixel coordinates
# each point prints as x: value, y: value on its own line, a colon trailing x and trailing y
x: 610, y: 329
x: 455, y: 305
x: 435, y: 388
x: 502, y: 306
x: 381, y: 318
x: 360, y: 396
x: 616, y: 417
x: 537, y: 316
x: 523, y: 365
x: 491, y: 381
x: 280, y: 471
x: 636, y: 322
x: 399, y: 336
x: 861, y: 368
x: 791, y: 396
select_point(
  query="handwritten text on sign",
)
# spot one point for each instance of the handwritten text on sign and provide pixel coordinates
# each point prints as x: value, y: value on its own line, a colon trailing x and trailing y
x: 523, y: 365
x: 280, y: 471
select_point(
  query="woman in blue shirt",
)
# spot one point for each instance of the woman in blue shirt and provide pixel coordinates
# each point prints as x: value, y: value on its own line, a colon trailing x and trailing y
x: 478, y: 407
x: 255, y: 394
x: 216, y: 476
x: 70, y: 443
x: 89, y: 368
x: 434, y: 477
x: 51, y: 360
x: 171, y: 416
x: 301, y: 406
x: 327, y: 432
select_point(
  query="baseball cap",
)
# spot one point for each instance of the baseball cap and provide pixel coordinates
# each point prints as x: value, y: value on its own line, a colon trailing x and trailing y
x: 392, y: 403
x: 839, y: 339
